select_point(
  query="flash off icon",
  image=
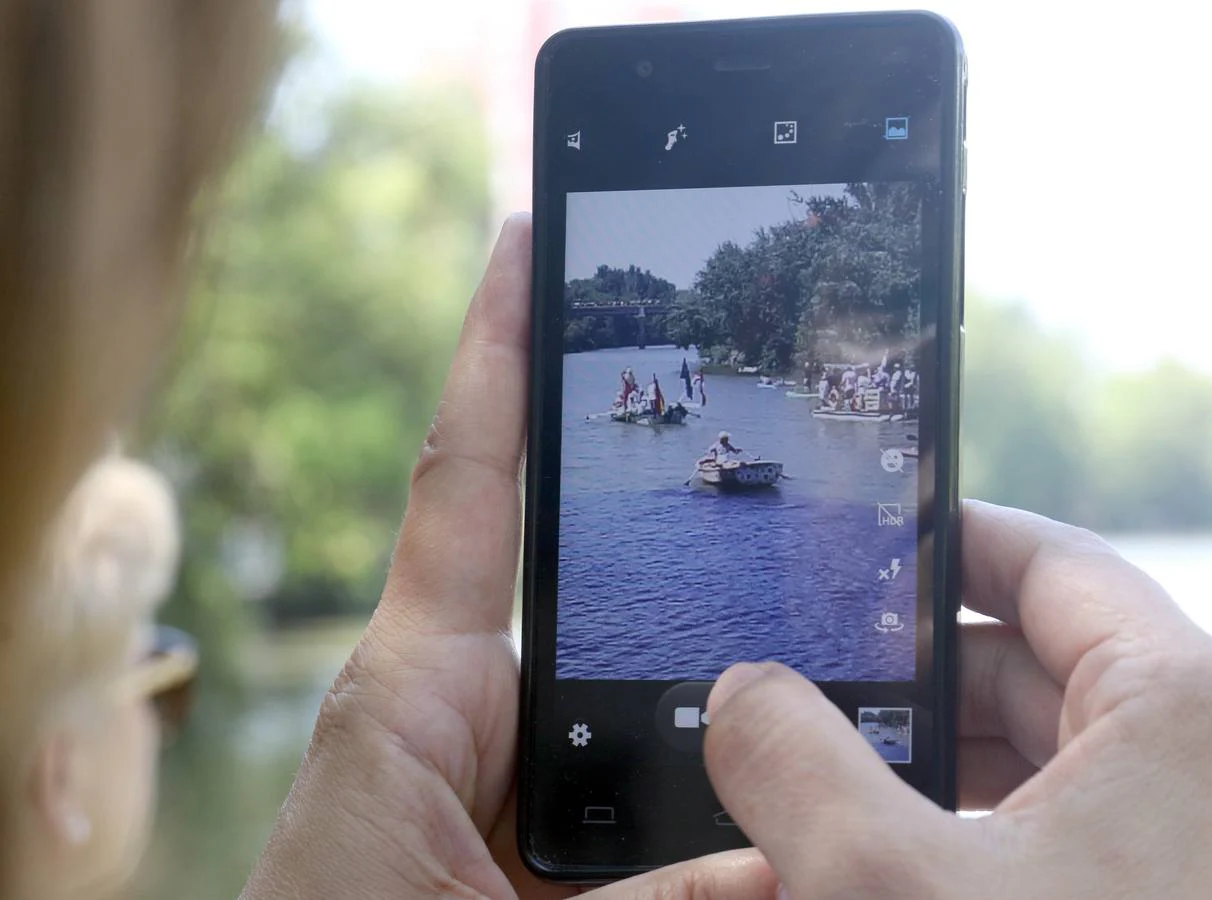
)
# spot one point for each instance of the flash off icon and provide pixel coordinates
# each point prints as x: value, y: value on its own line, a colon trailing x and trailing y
x: 785, y: 132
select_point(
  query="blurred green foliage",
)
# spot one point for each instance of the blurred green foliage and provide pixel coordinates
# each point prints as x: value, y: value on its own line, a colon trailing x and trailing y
x: 319, y: 329
x: 1045, y: 430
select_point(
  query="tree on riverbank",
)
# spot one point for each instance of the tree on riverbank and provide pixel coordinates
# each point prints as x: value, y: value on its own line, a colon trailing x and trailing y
x: 832, y: 284
x: 323, y: 314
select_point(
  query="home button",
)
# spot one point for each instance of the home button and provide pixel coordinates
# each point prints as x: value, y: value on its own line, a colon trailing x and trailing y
x: 598, y: 815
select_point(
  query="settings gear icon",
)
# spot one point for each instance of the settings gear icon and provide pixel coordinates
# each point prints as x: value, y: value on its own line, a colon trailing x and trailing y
x: 579, y: 735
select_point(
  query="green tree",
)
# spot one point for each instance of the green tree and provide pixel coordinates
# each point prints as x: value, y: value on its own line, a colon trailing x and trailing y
x: 1153, y: 434
x: 1026, y: 439
x: 1045, y: 431
x: 832, y: 283
x: 863, y: 283
x: 320, y: 326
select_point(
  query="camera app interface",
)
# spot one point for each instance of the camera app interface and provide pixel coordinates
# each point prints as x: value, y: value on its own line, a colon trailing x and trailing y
x: 739, y: 448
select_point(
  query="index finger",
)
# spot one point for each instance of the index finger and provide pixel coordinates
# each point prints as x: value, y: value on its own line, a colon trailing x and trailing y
x: 455, y: 563
x: 1066, y: 588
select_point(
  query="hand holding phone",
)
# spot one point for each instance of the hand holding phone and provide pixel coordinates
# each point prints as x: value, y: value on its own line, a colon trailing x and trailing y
x: 1097, y: 678
x: 406, y: 788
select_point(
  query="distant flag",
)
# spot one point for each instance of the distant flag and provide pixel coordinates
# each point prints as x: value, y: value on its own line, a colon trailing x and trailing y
x: 686, y: 378
x: 659, y: 397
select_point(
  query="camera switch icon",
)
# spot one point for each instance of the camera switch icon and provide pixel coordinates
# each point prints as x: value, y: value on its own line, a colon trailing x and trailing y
x: 690, y: 717
x: 889, y: 622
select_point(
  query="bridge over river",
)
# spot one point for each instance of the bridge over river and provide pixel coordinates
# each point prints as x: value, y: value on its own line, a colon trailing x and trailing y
x: 640, y: 310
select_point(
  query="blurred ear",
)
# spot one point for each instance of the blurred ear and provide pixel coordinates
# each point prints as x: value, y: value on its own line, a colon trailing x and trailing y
x: 57, y: 791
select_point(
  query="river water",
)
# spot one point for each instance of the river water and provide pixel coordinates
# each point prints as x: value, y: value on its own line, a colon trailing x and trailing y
x: 659, y: 580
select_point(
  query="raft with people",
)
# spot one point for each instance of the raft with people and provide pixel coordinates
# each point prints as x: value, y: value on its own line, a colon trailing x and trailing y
x: 670, y: 415
x: 851, y: 415
x: 872, y: 393
x: 636, y: 405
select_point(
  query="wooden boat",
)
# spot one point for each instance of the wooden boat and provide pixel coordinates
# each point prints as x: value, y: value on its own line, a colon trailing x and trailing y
x: 875, y: 405
x: 738, y: 475
x: 849, y: 415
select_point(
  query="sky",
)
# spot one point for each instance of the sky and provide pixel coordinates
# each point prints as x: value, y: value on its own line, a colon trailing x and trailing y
x: 1089, y: 126
x: 671, y: 233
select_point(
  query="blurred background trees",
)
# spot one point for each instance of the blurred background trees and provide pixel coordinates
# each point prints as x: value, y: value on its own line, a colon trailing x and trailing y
x: 320, y: 325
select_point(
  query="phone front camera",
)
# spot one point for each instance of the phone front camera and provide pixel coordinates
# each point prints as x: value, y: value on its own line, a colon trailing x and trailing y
x: 643, y: 68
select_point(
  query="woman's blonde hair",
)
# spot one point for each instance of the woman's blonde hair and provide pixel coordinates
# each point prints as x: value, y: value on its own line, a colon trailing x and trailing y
x: 110, y: 559
x: 112, y: 115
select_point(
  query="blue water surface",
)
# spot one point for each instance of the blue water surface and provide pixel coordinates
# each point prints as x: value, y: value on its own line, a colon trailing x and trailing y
x: 658, y: 580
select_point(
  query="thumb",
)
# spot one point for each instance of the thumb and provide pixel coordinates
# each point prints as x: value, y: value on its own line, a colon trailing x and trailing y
x: 807, y: 789
x: 732, y: 875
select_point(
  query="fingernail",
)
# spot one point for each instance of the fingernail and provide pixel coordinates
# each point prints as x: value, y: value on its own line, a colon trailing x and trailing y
x: 782, y: 893
x: 732, y: 681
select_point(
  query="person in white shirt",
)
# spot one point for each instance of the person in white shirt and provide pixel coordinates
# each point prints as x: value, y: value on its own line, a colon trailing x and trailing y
x: 722, y: 450
x: 849, y: 379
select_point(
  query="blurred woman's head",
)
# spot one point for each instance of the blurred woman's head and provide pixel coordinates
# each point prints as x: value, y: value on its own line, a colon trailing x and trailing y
x: 112, y: 115
x: 96, y: 665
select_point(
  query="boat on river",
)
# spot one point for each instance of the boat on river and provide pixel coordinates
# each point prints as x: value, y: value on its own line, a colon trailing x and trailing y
x: 740, y: 474
x: 801, y: 395
x: 773, y: 383
x: 874, y: 405
x: 850, y: 415
x: 673, y: 415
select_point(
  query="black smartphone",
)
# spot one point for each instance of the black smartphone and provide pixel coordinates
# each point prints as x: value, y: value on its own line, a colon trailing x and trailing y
x: 748, y: 241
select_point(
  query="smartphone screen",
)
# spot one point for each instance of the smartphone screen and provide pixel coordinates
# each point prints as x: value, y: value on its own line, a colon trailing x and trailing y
x: 747, y: 309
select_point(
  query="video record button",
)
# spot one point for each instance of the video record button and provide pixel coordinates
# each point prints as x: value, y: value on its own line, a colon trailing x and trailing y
x: 681, y: 715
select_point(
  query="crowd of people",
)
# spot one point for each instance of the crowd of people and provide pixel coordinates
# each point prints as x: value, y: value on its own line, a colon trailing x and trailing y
x: 635, y: 400
x: 850, y: 388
